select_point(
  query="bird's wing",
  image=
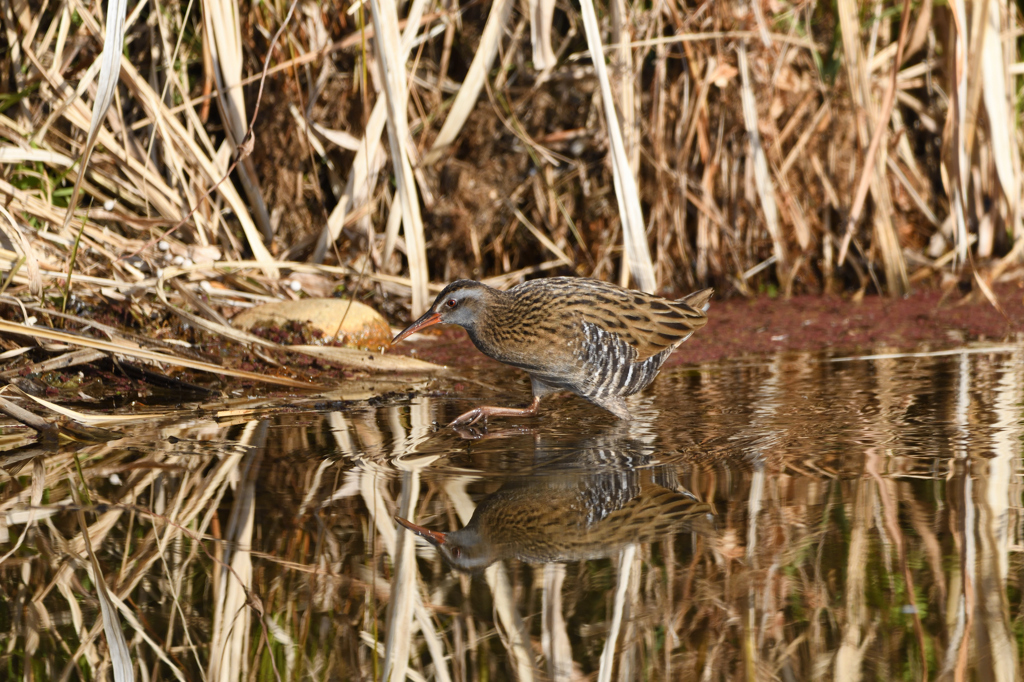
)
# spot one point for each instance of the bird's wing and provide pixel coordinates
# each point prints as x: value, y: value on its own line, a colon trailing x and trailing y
x: 657, y: 511
x: 698, y: 300
x: 648, y: 323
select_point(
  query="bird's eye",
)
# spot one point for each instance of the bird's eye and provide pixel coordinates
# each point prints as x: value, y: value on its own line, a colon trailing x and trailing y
x: 451, y: 303
x: 456, y: 552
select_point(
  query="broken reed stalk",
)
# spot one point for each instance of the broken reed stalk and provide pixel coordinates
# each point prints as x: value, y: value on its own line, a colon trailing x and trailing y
x: 385, y: 21
x: 110, y: 59
x: 628, y: 198
x: 47, y: 431
x: 880, y: 132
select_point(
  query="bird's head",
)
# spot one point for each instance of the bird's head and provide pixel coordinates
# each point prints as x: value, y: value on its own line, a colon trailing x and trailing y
x: 462, y: 549
x: 462, y: 302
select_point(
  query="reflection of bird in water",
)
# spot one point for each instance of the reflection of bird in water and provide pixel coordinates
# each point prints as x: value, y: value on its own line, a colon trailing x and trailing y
x: 585, y: 506
x: 595, y: 339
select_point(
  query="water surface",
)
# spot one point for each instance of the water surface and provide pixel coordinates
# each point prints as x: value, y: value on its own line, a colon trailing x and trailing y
x: 801, y: 517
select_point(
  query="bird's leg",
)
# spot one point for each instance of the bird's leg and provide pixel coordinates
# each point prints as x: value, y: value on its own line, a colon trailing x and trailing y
x: 485, y: 411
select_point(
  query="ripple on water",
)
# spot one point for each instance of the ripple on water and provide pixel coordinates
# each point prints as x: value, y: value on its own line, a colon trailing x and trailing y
x: 815, y: 513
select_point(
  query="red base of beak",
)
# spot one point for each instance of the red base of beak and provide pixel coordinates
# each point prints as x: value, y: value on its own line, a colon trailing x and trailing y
x: 428, y: 320
x: 432, y: 536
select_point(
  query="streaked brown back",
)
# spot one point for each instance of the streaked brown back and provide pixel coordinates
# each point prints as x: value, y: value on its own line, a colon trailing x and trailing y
x: 648, y: 323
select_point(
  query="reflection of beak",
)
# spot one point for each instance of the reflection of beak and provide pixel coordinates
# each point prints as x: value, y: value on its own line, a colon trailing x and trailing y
x: 435, y: 538
x: 428, y: 320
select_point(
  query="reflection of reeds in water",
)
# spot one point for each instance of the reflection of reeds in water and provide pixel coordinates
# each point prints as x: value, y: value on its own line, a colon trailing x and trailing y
x: 232, y: 579
x: 874, y: 533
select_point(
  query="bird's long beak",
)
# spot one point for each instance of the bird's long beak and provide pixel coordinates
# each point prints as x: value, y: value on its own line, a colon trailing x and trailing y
x: 429, y: 319
x: 436, y: 538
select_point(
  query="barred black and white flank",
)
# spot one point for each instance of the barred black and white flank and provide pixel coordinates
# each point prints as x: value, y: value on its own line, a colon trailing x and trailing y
x: 595, y: 339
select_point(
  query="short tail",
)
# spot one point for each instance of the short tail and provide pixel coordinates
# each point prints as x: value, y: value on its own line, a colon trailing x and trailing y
x: 698, y: 300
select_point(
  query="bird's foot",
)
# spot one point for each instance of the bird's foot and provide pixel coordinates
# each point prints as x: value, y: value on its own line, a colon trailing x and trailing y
x: 470, y: 432
x: 470, y: 418
x: 484, y: 411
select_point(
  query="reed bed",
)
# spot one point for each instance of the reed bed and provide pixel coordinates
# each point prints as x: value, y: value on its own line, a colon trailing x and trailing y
x: 181, y: 161
x: 793, y: 147
x: 885, y: 542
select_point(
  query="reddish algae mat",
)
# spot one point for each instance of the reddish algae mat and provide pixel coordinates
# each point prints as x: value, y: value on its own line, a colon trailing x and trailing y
x: 741, y: 327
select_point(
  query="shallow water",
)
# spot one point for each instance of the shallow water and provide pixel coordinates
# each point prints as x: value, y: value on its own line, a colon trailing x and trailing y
x: 801, y: 517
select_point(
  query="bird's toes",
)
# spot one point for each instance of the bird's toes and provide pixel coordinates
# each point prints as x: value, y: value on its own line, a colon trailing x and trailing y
x: 468, y: 418
x: 470, y: 432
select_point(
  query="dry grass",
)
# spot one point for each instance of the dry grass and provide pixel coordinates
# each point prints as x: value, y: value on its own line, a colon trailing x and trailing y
x: 793, y: 146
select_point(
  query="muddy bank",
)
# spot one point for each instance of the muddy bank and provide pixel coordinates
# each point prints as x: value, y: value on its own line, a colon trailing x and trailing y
x: 739, y: 327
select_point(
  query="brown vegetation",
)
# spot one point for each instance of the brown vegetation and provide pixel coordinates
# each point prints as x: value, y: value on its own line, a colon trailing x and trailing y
x: 757, y: 147
x: 795, y: 146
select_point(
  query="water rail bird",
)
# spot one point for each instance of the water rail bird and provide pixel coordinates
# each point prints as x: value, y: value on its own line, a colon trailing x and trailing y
x: 593, y: 338
x: 568, y: 517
